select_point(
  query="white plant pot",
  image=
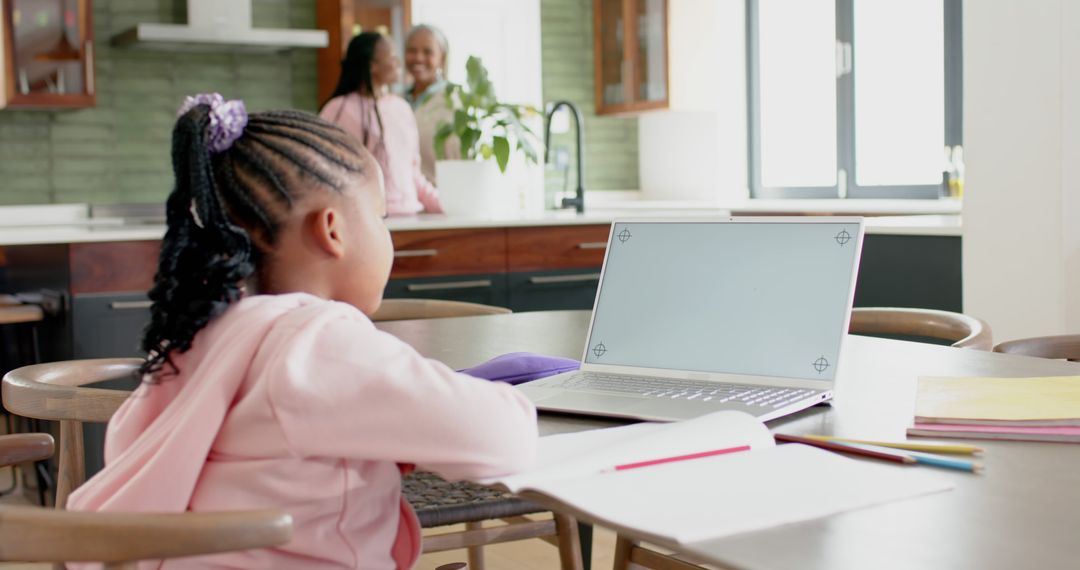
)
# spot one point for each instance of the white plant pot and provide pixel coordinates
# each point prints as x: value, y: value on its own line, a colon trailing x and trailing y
x: 469, y: 187
x: 477, y: 188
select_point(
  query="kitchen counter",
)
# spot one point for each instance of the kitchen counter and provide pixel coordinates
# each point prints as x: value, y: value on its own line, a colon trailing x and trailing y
x: 69, y: 223
x: 939, y: 225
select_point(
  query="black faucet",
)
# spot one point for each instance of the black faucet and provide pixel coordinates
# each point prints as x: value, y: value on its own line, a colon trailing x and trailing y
x: 578, y: 201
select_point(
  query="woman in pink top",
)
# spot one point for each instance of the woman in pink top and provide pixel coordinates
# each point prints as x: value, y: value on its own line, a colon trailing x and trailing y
x: 266, y: 385
x: 382, y: 122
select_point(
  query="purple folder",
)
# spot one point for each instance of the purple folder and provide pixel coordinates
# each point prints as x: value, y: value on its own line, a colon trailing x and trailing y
x: 519, y: 367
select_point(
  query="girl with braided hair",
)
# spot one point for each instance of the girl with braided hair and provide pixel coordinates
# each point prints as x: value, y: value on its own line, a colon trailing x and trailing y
x: 266, y: 385
x: 382, y: 121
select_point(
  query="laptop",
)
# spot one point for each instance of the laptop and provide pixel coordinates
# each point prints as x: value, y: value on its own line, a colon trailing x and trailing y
x: 695, y: 316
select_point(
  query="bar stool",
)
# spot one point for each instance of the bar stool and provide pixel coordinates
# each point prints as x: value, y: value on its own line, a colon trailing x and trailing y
x: 15, y: 312
x: 18, y: 317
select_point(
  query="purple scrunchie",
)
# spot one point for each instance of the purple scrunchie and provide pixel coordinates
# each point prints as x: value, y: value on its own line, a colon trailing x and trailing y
x: 227, y: 119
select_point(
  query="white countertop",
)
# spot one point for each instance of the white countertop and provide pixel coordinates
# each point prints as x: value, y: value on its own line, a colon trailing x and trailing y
x: 626, y: 200
x: 24, y: 225
x: 850, y: 206
x: 78, y: 234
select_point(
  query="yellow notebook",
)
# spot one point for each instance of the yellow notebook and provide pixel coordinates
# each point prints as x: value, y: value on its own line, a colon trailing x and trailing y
x: 1048, y: 401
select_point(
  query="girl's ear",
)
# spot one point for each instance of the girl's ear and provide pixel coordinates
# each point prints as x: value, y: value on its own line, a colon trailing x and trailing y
x: 326, y: 228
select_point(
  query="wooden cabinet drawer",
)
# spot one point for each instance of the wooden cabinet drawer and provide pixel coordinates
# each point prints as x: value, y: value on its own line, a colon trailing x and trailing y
x: 556, y: 247
x: 564, y: 289
x: 448, y: 252
x: 109, y: 325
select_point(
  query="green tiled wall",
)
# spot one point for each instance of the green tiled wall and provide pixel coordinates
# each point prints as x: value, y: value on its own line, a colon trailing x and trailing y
x: 118, y: 151
x: 611, y: 143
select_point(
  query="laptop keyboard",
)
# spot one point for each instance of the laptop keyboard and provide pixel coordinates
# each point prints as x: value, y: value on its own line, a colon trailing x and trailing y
x: 675, y: 389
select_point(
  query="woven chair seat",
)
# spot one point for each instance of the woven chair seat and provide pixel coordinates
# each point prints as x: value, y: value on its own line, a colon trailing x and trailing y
x: 438, y: 502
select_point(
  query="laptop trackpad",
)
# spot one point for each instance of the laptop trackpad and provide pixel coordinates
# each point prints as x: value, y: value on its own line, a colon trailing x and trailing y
x: 629, y: 407
x: 588, y: 402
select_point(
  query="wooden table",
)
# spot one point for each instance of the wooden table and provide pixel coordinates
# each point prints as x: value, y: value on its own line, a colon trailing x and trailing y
x: 1023, y: 512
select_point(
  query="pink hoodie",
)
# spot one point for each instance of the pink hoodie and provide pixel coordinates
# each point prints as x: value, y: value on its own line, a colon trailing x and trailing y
x: 300, y: 404
x: 395, y: 146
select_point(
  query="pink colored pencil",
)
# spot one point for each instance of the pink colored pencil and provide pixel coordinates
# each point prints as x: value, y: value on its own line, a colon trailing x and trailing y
x: 686, y: 457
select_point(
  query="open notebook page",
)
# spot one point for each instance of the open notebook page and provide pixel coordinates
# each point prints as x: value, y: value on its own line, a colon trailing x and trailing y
x: 691, y: 501
x: 590, y: 452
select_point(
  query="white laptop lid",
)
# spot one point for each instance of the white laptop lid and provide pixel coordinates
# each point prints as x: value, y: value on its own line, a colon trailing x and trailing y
x: 768, y: 297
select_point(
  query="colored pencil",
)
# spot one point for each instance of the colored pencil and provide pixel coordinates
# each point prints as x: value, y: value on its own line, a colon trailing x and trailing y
x: 931, y: 459
x: 675, y: 458
x: 884, y: 454
x: 929, y: 447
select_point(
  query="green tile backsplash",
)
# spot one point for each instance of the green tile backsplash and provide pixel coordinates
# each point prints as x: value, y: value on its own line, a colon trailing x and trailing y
x: 118, y: 151
x: 611, y: 144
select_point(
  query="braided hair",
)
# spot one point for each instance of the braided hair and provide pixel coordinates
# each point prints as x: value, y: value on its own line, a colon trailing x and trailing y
x: 226, y: 210
x: 356, y: 73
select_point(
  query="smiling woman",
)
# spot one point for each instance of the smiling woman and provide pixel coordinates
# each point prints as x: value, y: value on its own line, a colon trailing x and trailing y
x: 426, y: 52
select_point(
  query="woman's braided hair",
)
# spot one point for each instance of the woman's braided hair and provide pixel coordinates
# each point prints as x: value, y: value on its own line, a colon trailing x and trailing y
x: 226, y: 208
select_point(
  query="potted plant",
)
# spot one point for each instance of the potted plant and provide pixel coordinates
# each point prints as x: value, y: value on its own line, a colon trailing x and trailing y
x: 491, y: 135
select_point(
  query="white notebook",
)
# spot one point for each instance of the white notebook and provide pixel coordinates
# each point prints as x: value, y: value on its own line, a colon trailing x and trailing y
x: 689, y: 501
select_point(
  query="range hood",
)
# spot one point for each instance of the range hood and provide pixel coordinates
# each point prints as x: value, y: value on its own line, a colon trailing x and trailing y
x: 218, y: 25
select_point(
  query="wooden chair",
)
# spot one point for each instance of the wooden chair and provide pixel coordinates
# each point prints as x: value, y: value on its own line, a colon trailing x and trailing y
x: 56, y: 392
x: 120, y: 540
x: 438, y: 503
x: 963, y: 331
x: 630, y: 554
x: 1061, y: 347
x: 405, y: 309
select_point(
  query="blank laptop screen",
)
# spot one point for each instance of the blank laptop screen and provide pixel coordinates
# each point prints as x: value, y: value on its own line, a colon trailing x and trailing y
x: 758, y: 298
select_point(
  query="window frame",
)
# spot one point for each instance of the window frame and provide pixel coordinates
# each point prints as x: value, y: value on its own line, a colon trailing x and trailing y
x: 846, y: 186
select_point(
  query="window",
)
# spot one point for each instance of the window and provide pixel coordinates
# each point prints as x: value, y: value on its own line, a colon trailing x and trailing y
x: 852, y: 98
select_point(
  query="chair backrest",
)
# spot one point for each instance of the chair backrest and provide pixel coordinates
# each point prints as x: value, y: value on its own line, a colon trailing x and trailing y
x: 55, y: 391
x: 963, y: 331
x: 29, y: 534
x: 1066, y: 346
x: 405, y: 309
